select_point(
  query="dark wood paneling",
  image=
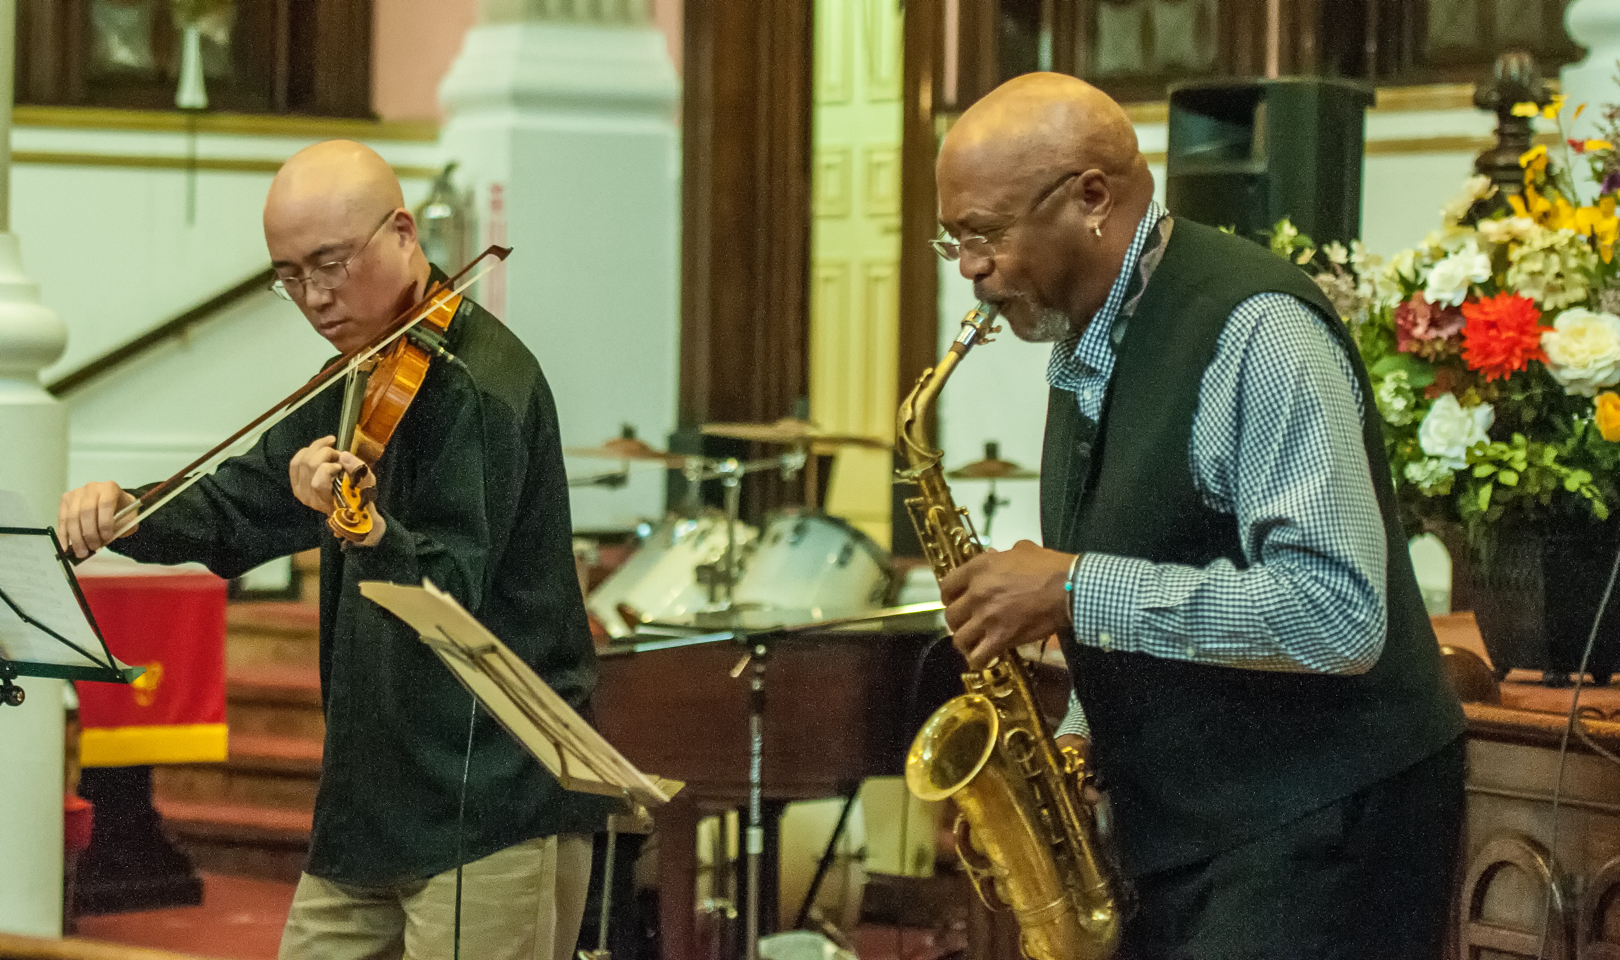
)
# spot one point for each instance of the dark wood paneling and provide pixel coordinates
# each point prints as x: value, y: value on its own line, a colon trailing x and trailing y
x: 285, y: 57
x: 745, y: 246
x: 924, y: 45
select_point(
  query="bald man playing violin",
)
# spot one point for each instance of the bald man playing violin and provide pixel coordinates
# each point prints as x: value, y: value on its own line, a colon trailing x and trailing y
x: 469, y: 493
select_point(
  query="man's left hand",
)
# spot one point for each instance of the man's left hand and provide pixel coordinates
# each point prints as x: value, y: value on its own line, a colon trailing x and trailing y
x: 1005, y: 599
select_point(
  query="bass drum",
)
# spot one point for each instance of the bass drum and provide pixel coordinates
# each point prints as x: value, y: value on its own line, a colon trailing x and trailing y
x: 664, y: 585
x: 815, y: 566
x: 603, y: 602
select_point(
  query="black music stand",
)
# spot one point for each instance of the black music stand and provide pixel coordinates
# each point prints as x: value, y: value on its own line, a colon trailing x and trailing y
x: 531, y: 712
x: 46, y: 627
x: 757, y: 630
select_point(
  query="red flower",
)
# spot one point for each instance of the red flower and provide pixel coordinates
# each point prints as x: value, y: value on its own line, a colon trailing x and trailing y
x: 1418, y: 321
x: 1502, y: 335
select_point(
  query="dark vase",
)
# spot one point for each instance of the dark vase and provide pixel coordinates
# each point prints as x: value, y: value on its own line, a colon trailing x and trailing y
x: 1536, y: 593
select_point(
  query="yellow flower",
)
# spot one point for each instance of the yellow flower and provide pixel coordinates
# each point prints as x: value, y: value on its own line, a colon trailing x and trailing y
x: 1553, y: 108
x: 1534, y: 160
x: 1525, y: 109
x: 1607, y: 415
x: 1578, y: 111
x: 1598, y: 145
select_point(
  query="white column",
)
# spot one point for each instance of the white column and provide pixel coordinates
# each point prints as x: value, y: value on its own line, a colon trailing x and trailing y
x: 33, y: 459
x: 1595, y: 25
x: 563, y: 115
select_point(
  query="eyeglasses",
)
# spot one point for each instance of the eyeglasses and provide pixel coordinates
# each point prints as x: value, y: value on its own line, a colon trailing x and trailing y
x: 327, y: 276
x: 976, y: 245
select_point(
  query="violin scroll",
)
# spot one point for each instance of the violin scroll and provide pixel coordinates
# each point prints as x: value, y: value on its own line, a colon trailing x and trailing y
x: 352, y: 520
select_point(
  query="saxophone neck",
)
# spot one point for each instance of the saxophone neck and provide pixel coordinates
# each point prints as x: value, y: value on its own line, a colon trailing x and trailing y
x: 911, y: 428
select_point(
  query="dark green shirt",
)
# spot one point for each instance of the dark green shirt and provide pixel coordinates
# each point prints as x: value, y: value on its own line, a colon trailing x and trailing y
x: 474, y: 493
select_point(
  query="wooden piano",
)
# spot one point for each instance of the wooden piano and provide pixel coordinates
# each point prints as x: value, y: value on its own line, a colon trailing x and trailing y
x: 840, y: 706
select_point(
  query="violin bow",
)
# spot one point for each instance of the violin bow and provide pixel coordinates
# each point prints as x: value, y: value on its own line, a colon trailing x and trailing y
x: 155, y: 498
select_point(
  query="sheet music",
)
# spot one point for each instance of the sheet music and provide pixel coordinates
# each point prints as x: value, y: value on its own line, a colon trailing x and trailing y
x: 32, y: 578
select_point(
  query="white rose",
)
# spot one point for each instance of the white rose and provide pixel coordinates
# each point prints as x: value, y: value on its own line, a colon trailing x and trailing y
x: 1450, y: 429
x: 1583, y: 350
x: 1450, y: 279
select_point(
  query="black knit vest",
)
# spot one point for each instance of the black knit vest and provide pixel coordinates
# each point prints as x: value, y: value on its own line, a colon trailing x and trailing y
x: 1196, y: 758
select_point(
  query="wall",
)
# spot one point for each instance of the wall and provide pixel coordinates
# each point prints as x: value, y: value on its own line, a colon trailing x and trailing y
x: 1416, y: 160
x: 413, y: 44
x: 102, y: 218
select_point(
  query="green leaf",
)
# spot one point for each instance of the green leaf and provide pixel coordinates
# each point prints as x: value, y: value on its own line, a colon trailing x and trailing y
x: 1485, y: 496
x: 1509, y: 478
x: 1484, y: 469
x: 1418, y: 373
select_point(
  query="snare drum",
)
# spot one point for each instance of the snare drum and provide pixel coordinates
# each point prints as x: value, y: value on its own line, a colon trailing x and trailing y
x: 816, y: 564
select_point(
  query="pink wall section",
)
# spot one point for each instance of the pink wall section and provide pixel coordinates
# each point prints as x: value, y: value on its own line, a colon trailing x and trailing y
x: 414, y: 42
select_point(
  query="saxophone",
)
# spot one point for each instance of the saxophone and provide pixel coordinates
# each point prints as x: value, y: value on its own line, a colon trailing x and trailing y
x: 1023, y: 830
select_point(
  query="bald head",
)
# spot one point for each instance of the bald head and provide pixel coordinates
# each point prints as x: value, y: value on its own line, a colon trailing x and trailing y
x: 340, y: 177
x: 338, y: 202
x: 1046, y: 124
x: 1047, y: 171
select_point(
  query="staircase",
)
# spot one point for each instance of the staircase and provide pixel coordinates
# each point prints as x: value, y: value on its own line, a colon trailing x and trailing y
x: 251, y: 815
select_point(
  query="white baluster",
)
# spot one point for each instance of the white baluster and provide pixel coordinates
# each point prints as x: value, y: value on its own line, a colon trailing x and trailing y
x: 33, y: 459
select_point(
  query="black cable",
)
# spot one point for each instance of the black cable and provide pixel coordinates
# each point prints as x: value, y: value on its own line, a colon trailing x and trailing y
x: 461, y: 819
x: 1563, y: 755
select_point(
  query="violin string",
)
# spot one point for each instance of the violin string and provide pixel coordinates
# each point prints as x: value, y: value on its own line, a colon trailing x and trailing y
x: 140, y: 513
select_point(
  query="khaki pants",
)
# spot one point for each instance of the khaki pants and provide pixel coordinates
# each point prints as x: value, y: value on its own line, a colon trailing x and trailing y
x: 521, y: 903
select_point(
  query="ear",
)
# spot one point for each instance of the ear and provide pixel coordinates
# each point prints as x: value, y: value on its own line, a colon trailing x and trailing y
x: 405, y: 225
x: 1094, y: 196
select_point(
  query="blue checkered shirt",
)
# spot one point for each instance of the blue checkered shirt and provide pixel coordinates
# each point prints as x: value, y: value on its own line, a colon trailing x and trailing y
x: 1277, y: 442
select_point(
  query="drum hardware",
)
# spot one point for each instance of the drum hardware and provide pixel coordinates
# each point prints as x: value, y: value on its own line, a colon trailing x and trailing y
x: 808, y: 439
x: 612, y: 480
x: 992, y: 468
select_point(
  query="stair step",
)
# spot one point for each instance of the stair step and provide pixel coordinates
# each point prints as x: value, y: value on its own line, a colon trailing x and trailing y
x: 219, y: 784
x: 239, y: 839
x: 292, y: 756
x: 272, y: 633
x: 275, y: 702
x: 288, y: 685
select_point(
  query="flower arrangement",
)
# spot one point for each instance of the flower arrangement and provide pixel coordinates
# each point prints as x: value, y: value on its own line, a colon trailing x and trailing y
x: 1493, y: 347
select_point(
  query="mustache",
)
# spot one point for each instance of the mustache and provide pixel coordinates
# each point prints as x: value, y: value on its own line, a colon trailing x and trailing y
x: 1001, y: 299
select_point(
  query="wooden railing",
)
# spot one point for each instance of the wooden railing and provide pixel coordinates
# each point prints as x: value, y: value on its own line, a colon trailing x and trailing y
x: 160, y: 334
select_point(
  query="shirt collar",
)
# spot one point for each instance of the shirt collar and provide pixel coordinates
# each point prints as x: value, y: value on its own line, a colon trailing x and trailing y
x: 1093, y: 349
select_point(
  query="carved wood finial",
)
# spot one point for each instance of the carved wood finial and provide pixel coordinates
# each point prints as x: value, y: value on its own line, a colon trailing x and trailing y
x: 1515, y: 79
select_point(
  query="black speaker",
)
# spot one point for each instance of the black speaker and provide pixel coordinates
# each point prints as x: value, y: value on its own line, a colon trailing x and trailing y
x: 1245, y: 153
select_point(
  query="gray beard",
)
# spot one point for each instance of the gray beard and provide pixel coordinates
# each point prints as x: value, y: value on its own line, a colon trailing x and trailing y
x: 1050, y: 327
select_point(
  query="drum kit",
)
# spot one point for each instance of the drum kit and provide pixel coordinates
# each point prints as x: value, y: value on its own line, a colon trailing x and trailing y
x: 701, y: 565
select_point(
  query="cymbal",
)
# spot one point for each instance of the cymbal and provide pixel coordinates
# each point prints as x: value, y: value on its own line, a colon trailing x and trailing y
x: 992, y: 468
x: 792, y: 431
x: 628, y: 448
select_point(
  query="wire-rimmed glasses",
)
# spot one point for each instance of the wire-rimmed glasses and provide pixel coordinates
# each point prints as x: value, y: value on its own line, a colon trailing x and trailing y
x: 952, y: 249
x: 327, y: 276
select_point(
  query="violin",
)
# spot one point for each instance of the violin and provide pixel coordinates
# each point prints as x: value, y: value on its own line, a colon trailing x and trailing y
x: 403, y: 323
x: 375, y: 401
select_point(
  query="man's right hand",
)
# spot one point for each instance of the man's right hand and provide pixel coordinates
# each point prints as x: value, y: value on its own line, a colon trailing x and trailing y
x: 84, y: 517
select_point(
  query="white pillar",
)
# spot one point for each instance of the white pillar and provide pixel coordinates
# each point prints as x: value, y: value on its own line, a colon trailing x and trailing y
x: 1595, y: 25
x: 33, y: 459
x: 563, y: 115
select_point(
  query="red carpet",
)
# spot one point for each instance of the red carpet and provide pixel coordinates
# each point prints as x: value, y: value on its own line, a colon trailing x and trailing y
x: 240, y: 919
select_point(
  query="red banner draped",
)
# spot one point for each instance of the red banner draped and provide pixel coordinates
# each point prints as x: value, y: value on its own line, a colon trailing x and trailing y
x: 174, y: 626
